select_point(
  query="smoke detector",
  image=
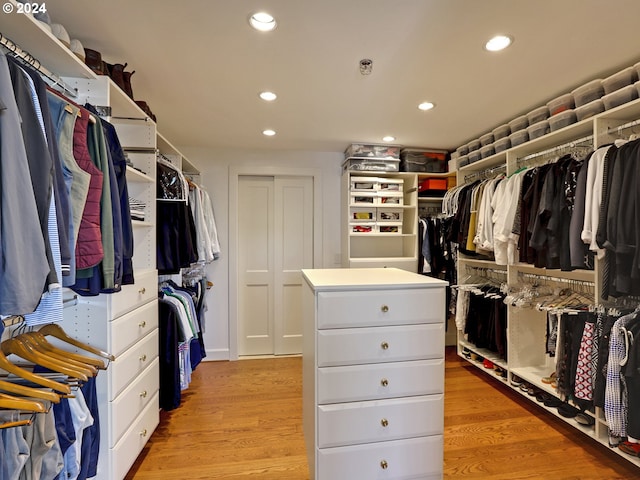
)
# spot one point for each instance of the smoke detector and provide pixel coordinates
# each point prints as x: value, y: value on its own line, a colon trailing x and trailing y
x: 366, y: 66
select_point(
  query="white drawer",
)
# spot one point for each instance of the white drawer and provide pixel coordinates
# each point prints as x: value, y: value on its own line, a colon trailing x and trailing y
x: 131, y: 327
x: 377, y: 381
x: 124, y: 454
x: 351, y: 346
x: 131, y: 363
x: 128, y: 405
x: 380, y: 420
x: 380, y: 307
x: 132, y: 296
x: 416, y: 458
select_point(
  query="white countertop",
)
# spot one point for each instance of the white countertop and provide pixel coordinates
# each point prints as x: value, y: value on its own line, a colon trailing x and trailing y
x: 361, y: 278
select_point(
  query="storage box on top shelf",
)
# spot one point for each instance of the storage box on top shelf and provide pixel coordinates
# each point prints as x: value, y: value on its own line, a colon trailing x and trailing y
x: 423, y: 160
x: 619, y: 97
x: 561, y: 104
x: 519, y: 137
x: 538, y: 129
x: 501, y: 132
x: 538, y: 115
x: 589, y: 109
x: 486, y: 139
x: 619, y: 80
x: 588, y: 92
x: 373, y: 150
x: 502, y: 144
x: 562, y: 119
x: 518, y: 123
x: 371, y: 164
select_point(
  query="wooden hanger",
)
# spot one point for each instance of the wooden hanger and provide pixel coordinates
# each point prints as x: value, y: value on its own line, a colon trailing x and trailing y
x: 11, y: 387
x: 57, y: 332
x: 26, y: 351
x: 15, y: 403
x: 10, y: 367
x: 39, y: 341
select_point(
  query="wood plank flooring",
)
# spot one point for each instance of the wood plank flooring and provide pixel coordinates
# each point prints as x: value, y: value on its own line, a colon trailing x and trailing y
x: 243, y: 420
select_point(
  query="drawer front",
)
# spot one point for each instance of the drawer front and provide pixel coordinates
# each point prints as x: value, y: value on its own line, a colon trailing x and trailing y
x: 128, y: 405
x: 417, y: 458
x: 132, y: 296
x: 377, y: 381
x: 372, y: 308
x: 132, y: 363
x: 131, y: 327
x: 380, y: 420
x: 124, y: 454
x: 351, y: 346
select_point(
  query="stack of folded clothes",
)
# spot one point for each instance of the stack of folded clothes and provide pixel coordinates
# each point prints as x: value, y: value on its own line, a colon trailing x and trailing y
x: 136, y: 208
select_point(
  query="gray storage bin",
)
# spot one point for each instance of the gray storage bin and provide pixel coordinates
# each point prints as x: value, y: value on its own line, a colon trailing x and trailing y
x: 420, y: 160
x: 486, y: 139
x: 560, y: 104
x: 637, y: 85
x: 487, y: 151
x: 562, y: 119
x: 462, y: 150
x: 474, y: 145
x: 474, y: 156
x: 500, y: 132
x: 518, y: 123
x: 463, y: 160
x: 588, y: 93
x: 619, y: 97
x: 619, y: 80
x: 519, y: 137
x: 590, y: 109
x: 371, y: 164
x: 537, y: 115
x: 502, y: 144
x: 372, y: 150
x: 538, y: 129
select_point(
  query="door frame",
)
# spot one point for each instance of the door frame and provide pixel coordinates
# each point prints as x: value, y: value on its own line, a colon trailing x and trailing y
x: 234, y: 173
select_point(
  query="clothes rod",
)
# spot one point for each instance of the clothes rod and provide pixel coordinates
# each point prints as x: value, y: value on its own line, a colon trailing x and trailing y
x: 33, y: 62
x: 575, y: 143
x: 547, y: 278
x: 624, y: 126
x: 485, y: 173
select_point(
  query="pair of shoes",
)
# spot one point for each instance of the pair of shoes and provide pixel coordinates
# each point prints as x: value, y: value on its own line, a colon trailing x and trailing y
x: 486, y: 363
x: 630, y: 448
x: 550, y: 379
x: 584, y: 419
x: 551, y: 401
x: 466, y: 352
x: 515, y: 381
x: 145, y: 108
x: 120, y: 77
x: 568, y: 411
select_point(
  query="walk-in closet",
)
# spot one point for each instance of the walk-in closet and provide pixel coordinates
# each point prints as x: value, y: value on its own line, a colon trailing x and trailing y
x: 332, y: 240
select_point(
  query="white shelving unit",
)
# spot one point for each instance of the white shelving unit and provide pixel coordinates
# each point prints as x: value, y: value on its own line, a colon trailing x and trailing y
x: 526, y: 328
x: 124, y: 323
x: 374, y: 248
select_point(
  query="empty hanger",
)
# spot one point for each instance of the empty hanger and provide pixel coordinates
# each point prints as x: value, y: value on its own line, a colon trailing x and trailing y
x: 57, y: 332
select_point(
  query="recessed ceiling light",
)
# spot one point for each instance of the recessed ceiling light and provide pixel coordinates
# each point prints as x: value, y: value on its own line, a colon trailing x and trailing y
x: 268, y: 96
x: 388, y: 138
x: 262, y: 21
x: 269, y: 133
x: 426, y: 106
x: 497, y: 43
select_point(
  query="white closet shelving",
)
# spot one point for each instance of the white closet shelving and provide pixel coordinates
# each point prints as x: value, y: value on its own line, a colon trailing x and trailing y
x: 373, y: 247
x: 124, y: 323
x: 526, y: 328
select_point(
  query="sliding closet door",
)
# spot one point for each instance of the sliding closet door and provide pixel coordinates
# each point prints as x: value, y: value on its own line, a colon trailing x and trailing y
x: 275, y: 241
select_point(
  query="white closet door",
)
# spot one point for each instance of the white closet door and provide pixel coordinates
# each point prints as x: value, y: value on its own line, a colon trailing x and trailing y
x: 255, y: 275
x: 293, y: 252
x: 275, y: 241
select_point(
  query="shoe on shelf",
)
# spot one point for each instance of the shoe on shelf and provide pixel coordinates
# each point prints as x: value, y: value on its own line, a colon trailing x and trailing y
x: 568, y: 411
x: 486, y: 363
x: 515, y: 381
x: 466, y: 352
x: 553, y: 402
x: 630, y: 448
x: 550, y: 379
x: 585, y: 419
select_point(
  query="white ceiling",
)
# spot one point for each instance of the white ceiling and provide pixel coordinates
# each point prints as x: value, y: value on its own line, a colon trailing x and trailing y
x: 200, y: 66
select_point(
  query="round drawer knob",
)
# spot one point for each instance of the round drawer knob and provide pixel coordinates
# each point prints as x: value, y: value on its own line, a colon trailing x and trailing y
x: 384, y: 382
x: 143, y: 433
x: 384, y: 422
x: 384, y: 308
x: 143, y: 357
x: 143, y: 394
x: 142, y: 291
x: 142, y: 324
x: 384, y: 345
x: 384, y: 465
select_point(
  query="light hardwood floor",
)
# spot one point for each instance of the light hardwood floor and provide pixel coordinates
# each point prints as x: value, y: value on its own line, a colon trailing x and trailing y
x: 243, y: 420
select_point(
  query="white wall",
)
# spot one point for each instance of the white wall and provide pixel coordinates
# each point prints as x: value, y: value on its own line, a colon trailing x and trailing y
x: 214, y: 166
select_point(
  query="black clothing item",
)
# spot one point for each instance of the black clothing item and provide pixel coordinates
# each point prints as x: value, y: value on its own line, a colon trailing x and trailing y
x: 577, y: 248
x: 604, y: 324
x: 170, y: 394
x: 631, y: 372
x: 175, y: 237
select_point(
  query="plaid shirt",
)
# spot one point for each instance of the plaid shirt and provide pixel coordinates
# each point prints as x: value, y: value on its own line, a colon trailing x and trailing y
x: 615, y: 400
